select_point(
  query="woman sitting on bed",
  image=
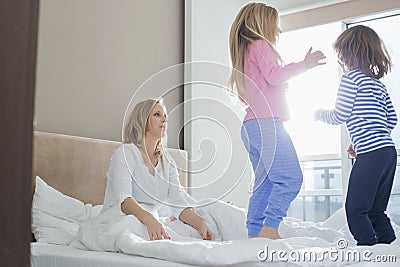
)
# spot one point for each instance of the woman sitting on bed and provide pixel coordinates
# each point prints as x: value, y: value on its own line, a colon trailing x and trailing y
x: 142, y: 176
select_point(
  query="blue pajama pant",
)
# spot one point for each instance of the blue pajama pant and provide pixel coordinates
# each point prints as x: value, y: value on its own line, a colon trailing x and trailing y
x: 278, y: 177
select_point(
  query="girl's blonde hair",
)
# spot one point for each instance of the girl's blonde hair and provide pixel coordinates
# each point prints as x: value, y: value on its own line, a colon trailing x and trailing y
x: 254, y: 21
x: 138, y: 124
x: 360, y: 47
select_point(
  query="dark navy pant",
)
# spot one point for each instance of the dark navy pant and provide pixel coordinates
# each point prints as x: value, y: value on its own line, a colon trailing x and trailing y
x: 368, y: 193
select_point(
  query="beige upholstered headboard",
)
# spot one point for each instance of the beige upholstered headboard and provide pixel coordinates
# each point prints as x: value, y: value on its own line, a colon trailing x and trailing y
x: 77, y: 166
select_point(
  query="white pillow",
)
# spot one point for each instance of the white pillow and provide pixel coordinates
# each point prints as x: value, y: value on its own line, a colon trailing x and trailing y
x: 55, y: 216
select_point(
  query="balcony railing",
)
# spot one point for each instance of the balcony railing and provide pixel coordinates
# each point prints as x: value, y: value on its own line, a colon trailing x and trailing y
x: 323, y: 187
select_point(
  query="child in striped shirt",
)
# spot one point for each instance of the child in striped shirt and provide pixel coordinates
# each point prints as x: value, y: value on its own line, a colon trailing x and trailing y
x: 364, y: 104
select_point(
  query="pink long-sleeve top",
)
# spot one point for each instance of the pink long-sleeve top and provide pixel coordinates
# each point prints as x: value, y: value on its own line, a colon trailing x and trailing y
x: 266, y: 82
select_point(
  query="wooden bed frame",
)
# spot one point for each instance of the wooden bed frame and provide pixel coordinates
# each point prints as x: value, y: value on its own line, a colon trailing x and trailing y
x: 77, y: 166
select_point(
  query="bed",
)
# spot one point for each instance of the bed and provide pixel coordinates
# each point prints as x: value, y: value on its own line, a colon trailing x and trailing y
x: 72, y: 173
x: 77, y: 166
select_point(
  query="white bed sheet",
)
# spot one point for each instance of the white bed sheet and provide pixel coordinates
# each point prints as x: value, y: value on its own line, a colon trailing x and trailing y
x: 47, y: 255
x: 91, y: 234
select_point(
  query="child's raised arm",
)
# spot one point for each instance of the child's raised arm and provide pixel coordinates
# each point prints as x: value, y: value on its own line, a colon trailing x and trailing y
x: 344, y: 104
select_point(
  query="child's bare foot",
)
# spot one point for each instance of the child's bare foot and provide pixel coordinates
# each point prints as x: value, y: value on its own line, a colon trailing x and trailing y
x: 269, y: 232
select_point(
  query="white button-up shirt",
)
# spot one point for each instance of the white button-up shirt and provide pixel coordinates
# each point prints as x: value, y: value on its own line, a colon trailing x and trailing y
x: 128, y: 176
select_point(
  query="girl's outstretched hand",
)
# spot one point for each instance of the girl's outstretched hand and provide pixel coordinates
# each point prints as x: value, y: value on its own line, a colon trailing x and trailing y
x: 317, y: 114
x: 312, y: 59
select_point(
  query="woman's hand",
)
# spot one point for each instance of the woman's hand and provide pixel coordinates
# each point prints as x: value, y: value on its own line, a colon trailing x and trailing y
x: 351, y: 151
x: 312, y: 59
x: 188, y: 216
x: 154, y: 228
x: 204, y: 232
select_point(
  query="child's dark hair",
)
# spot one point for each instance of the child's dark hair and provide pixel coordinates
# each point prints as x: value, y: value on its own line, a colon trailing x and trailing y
x: 360, y: 47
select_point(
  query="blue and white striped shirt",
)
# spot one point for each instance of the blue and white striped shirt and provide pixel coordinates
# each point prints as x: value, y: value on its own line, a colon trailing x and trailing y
x: 364, y: 104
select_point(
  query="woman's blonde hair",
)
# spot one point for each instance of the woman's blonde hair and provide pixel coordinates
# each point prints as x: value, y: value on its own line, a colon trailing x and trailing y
x: 360, y: 47
x: 138, y: 124
x: 254, y: 21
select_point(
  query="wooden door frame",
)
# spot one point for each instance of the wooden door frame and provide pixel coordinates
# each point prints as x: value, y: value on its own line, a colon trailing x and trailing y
x: 18, y: 42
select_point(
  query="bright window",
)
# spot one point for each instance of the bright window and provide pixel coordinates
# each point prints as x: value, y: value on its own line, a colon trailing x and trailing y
x: 312, y: 90
x: 317, y: 144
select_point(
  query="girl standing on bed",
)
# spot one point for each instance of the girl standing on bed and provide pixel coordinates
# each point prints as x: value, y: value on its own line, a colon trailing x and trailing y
x: 142, y: 176
x: 364, y: 104
x: 260, y: 78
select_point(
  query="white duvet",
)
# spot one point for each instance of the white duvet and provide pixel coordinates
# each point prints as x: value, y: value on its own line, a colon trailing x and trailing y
x: 304, y: 243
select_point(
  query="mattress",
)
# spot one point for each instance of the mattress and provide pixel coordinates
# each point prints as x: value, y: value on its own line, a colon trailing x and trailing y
x: 47, y: 255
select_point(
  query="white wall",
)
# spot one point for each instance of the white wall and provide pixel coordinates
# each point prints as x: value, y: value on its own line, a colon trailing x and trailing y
x: 92, y: 57
x: 212, y: 122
